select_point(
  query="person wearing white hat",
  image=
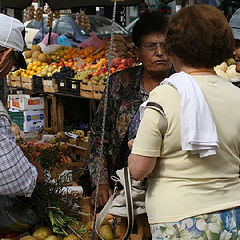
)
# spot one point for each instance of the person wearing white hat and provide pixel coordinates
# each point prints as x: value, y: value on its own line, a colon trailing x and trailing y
x: 18, y: 176
x: 234, y: 22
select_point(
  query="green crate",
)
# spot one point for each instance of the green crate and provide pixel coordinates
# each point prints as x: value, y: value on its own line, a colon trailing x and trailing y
x: 18, y: 118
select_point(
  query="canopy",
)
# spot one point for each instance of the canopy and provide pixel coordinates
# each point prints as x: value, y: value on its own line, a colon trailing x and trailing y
x: 61, y: 4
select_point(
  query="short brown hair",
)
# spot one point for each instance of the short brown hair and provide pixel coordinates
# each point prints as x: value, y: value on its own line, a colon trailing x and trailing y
x: 200, y: 36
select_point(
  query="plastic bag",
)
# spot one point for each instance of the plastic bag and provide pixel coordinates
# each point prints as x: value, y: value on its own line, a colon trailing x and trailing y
x: 49, y: 48
x: 64, y: 41
x: 93, y: 41
x: 53, y: 40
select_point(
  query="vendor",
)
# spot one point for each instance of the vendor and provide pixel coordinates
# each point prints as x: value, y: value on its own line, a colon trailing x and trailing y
x: 18, y: 176
x: 127, y: 90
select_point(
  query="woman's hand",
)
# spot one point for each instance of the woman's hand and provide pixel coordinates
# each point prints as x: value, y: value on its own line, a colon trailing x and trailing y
x: 130, y: 144
x: 104, y: 193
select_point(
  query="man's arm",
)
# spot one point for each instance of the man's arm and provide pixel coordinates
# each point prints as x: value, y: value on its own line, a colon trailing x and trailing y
x: 18, y: 176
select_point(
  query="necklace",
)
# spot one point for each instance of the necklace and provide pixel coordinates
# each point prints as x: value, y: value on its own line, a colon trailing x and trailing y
x: 202, y: 71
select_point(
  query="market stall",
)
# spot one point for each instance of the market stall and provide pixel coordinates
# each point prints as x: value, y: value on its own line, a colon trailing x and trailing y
x: 50, y: 75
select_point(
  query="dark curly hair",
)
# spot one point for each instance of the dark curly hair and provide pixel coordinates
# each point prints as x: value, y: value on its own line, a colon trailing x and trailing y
x: 200, y: 36
x: 149, y: 22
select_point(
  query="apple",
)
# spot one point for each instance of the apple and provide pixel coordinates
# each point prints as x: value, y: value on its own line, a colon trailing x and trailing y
x: 124, y: 61
x: 121, y: 66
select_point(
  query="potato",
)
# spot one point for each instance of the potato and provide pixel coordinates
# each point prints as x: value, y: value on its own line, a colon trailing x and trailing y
x: 71, y: 237
x: 42, y: 232
x: 28, y: 238
x: 50, y: 237
x: 106, y: 232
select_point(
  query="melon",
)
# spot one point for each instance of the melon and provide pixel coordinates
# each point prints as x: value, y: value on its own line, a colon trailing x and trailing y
x: 35, y: 54
x: 36, y: 48
x: 28, y: 54
x: 42, y: 57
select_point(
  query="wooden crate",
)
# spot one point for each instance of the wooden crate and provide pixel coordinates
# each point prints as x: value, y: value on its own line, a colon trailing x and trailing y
x: 98, y: 91
x: 15, y: 81
x: 50, y: 85
x: 79, y: 150
x: 87, y: 209
x: 54, y: 113
x: 76, y: 167
x: 27, y: 83
x: 9, y: 80
x: 86, y: 90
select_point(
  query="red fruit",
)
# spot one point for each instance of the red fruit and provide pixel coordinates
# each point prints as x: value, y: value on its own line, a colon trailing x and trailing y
x: 117, y: 59
x: 124, y: 61
x: 130, y: 61
x: 121, y: 66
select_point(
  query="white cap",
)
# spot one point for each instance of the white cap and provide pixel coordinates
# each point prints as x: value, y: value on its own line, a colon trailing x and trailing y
x: 11, y: 33
x: 234, y: 22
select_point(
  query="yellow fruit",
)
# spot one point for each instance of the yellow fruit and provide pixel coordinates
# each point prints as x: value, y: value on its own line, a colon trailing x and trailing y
x: 34, y: 68
x: 42, y: 232
x: 39, y: 63
x: 39, y: 69
x: 32, y: 73
x: 29, y: 67
x: 106, y: 232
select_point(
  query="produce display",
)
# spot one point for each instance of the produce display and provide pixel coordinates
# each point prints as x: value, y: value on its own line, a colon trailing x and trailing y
x: 88, y: 65
x: 227, y: 70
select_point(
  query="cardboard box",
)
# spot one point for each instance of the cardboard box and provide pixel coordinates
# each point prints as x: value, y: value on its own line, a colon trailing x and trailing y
x: 25, y: 102
x: 33, y: 120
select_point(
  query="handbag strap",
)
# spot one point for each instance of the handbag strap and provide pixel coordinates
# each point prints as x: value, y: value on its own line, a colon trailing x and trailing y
x: 129, y: 205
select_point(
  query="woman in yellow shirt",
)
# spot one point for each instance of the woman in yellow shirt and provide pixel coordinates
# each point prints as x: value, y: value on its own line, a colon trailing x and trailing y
x: 188, y: 142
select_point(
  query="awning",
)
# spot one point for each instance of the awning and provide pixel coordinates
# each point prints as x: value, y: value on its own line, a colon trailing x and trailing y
x: 61, y: 4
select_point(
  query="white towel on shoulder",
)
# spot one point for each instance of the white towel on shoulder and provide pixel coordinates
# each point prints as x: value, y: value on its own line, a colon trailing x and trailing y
x: 198, y: 130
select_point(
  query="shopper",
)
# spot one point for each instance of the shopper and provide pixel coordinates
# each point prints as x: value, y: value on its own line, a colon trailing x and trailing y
x: 127, y: 90
x: 235, y: 25
x: 188, y: 142
x: 18, y: 176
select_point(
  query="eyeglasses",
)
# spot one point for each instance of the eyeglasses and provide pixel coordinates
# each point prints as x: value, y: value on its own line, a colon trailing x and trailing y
x: 152, y: 47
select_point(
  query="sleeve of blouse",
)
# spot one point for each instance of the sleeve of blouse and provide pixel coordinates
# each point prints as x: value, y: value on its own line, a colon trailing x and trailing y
x: 148, y: 141
x: 18, y: 176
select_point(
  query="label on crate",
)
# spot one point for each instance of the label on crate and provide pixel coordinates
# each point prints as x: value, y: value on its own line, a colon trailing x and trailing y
x: 15, y: 104
x: 34, y: 102
x: 74, y: 86
x: 62, y: 84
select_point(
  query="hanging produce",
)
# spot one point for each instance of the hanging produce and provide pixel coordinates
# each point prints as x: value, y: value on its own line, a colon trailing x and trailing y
x: 82, y: 20
x: 49, y: 13
x: 39, y: 14
x: 56, y: 14
x: 29, y: 13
